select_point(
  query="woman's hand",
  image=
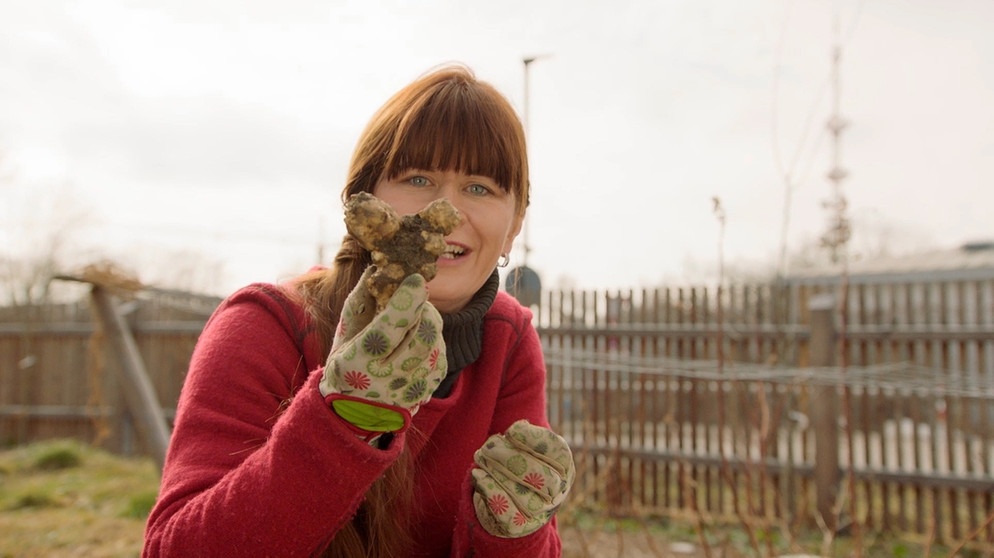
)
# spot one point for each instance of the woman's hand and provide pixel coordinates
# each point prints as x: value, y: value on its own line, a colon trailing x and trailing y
x: 521, y: 479
x: 383, y: 366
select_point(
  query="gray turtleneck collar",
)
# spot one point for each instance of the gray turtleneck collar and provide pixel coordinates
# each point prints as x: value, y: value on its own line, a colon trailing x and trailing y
x: 463, y: 333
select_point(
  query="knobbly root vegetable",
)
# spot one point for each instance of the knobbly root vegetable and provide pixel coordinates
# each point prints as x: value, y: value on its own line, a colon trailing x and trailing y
x: 399, y: 245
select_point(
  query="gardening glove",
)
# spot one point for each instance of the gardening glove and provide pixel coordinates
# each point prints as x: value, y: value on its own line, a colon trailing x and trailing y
x: 384, y: 365
x: 521, y: 478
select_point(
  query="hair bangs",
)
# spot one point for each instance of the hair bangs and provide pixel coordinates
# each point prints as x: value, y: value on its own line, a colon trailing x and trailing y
x: 460, y: 128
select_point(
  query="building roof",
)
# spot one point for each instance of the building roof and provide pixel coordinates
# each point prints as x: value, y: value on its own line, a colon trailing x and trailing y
x: 970, y: 261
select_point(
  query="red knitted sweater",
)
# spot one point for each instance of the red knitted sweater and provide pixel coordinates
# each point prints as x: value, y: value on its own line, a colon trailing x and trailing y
x: 258, y: 465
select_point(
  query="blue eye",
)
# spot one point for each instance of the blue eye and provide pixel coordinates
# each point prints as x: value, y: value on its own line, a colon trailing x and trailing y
x: 479, y: 189
x: 418, y: 181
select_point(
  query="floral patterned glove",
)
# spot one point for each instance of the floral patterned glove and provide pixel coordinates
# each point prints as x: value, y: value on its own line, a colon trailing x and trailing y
x: 522, y: 478
x: 383, y: 366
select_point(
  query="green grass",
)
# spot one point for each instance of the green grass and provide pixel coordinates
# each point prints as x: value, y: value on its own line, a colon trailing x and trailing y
x: 63, y: 498
x: 58, y: 456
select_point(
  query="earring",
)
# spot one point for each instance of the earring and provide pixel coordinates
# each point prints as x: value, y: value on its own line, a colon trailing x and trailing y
x: 503, y: 260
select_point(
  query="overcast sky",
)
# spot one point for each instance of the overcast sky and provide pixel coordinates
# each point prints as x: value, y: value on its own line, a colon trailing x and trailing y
x: 223, y: 128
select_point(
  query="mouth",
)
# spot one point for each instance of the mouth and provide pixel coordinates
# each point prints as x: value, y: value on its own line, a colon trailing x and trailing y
x: 454, y: 252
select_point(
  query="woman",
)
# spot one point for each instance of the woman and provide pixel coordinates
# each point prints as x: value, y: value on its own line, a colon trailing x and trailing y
x: 283, y: 445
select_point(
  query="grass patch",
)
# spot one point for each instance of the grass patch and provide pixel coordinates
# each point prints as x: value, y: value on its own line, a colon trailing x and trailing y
x: 57, y: 457
x: 63, y: 498
x: 140, y: 505
x: 32, y: 500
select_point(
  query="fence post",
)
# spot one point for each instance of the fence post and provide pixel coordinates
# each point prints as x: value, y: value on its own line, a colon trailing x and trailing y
x: 139, y: 394
x: 825, y: 409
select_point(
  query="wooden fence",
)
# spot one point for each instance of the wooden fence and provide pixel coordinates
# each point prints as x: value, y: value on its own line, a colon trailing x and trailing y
x: 731, y: 406
x: 774, y: 408
x: 59, y: 376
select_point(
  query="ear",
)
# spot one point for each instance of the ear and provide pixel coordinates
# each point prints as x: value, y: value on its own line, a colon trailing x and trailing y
x: 512, y: 233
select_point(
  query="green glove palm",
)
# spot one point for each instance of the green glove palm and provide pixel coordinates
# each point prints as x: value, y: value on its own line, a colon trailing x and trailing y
x: 383, y: 366
x: 522, y: 478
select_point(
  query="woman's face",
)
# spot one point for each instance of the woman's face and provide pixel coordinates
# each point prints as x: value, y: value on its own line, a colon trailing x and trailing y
x: 489, y: 225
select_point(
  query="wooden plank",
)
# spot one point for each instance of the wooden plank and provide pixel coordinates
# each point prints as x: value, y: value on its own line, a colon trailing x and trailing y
x: 952, y: 305
x: 54, y: 411
x: 825, y: 411
x: 69, y: 329
x: 139, y: 394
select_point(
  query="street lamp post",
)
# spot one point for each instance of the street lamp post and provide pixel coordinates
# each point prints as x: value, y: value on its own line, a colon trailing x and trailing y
x: 522, y: 281
x: 525, y: 121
